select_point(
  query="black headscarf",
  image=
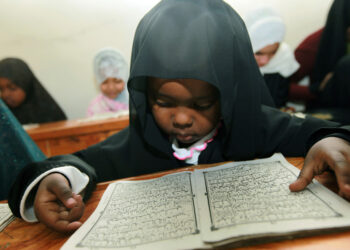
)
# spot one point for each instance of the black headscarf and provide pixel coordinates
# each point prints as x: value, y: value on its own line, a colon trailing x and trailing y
x: 333, y: 44
x: 39, y: 106
x: 205, y: 40
x: 198, y: 39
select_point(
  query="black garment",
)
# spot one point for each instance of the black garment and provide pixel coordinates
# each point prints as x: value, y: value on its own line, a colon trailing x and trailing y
x: 278, y: 87
x: 331, y: 57
x: 337, y: 90
x: 39, y: 106
x: 205, y: 40
x: 333, y: 103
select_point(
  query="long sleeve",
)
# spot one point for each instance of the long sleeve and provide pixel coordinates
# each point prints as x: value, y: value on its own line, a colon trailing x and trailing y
x: 33, y: 170
x: 293, y: 136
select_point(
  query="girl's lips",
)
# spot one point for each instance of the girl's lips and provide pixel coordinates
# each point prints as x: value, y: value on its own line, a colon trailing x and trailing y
x: 184, y: 138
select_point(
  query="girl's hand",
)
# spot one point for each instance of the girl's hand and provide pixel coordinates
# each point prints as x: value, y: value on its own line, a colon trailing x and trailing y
x: 56, y: 206
x: 329, y: 153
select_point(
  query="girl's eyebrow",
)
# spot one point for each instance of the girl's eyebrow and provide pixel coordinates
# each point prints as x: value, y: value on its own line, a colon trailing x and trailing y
x: 158, y: 94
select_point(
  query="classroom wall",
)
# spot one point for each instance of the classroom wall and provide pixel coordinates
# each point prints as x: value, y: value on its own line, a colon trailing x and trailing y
x: 59, y: 39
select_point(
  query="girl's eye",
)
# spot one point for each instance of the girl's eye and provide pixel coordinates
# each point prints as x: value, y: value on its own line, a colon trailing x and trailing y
x: 203, y: 106
x: 118, y: 80
x: 13, y: 88
x: 162, y: 103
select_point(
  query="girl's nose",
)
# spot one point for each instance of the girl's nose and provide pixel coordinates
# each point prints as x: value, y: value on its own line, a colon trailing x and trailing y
x: 182, y: 118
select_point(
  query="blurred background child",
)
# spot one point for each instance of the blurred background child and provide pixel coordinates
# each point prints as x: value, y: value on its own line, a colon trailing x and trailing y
x: 111, y: 72
x: 25, y: 96
x: 273, y: 56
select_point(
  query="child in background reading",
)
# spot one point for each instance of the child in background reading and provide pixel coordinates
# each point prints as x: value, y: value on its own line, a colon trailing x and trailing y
x: 191, y: 80
x: 111, y: 71
x: 22, y: 92
x: 274, y: 57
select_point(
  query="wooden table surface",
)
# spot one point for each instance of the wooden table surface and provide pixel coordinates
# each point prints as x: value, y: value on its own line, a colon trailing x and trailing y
x: 22, y: 235
x: 65, y: 137
x: 79, y: 126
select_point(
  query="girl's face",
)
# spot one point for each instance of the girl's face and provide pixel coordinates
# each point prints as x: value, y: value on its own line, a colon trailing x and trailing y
x: 187, y: 109
x: 12, y: 95
x: 112, y: 87
x: 264, y: 55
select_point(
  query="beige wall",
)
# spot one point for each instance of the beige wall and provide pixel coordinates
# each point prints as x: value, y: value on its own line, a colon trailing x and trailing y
x: 58, y: 38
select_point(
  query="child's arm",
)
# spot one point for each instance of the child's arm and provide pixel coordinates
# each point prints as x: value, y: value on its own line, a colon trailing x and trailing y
x: 23, y: 191
x: 333, y: 153
x: 83, y: 170
x: 56, y: 206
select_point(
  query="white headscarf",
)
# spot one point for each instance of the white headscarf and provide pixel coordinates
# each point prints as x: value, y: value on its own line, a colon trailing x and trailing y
x: 283, y: 62
x: 265, y: 27
x: 109, y: 62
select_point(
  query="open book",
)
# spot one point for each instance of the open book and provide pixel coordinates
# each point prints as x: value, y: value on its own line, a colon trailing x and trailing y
x: 236, y: 203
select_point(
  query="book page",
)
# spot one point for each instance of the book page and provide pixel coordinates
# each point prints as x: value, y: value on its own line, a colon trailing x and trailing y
x: 152, y: 214
x: 247, y: 199
x: 6, y: 216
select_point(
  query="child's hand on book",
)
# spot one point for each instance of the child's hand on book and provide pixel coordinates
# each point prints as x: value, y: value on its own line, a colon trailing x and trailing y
x: 56, y: 206
x: 329, y: 153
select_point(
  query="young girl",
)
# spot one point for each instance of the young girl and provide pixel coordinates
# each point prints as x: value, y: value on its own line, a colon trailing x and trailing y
x: 25, y: 96
x: 274, y: 57
x: 191, y: 80
x: 111, y: 71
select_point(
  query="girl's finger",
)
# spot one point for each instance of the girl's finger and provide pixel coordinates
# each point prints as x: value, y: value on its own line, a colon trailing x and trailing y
x: 305, y: 177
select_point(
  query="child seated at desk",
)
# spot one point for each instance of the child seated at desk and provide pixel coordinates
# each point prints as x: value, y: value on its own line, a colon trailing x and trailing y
x: 22, y: 92
x: 274, y: 57
x: 196, y: 97
x: 111, y: 72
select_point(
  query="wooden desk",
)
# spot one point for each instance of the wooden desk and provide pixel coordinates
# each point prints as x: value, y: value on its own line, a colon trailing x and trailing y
x: 22, y: 235
x: 64, y: 137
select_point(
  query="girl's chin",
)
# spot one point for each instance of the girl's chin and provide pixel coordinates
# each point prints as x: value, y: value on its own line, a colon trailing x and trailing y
x: 112, y: 96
